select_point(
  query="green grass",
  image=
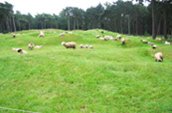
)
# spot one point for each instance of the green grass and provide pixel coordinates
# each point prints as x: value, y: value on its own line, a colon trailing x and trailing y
x: 107, y: 79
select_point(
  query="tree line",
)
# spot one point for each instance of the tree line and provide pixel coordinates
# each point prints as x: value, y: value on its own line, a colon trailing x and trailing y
x: 122, y: 17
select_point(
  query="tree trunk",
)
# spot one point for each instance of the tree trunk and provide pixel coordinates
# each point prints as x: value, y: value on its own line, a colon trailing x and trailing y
x: 14, y: 25
x: 159, y: 26
x: 121, y: 26
x: 77, y: 24
x: 74, y: 25
x: 165, y: 23
x: 137, y: 25
x: 153, y: 20
x: 129, y: 31
x: 68, y: 23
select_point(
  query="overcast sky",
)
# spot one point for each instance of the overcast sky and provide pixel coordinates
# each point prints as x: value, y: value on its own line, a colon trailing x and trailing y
x: 51, y: 6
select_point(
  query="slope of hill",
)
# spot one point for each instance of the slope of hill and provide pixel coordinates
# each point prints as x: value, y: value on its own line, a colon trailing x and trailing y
x: 107, y: 79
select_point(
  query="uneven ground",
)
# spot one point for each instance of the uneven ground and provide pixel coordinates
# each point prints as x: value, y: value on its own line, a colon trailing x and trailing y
x: 107, y: 79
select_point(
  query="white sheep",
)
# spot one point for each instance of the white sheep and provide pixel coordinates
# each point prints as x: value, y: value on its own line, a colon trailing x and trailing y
x: 150, y: 43
x: 41, y: 34
x: 101, y: 38
x: 144, y: 41
x: 14, y: 35
x: 38, y: 46
x: 31, y: 46
x: 62, y: 34
x: 98, y: 36
x: 82, y: 46
x: 123, y: 41
x: 119, y: 37
x: 19, y: 50
x: 69, y: 44
x: 154, y: 46
x: 90, y: 46
x: 158, y: 57
x: 167, y: 43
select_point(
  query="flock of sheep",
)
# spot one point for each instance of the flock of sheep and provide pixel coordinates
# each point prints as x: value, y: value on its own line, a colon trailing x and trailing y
x: 158, y: 56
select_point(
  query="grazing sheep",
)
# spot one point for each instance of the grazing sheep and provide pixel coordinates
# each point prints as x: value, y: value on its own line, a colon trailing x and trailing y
x: 154, y: 46
x: 14, y: 35
x: 101, y: 38
x: 31, y: 46
x: 19, y: 50
x: 109, y: 37
x: 158, y: 57
x: 144, y: 41
x: 119, y: 37
x: 123, y: 41
x: 106, y: 38
x: 167, y: 43
x: 98, y: 36
x: 62, y: 34
x: 82, y: 46
x: 158, y: 39
x: 150, y: 43
x: 38, y: 46
x: 90, y: 46
x: 41, y: 34
x: 69, y: 44
x: 86, y: 46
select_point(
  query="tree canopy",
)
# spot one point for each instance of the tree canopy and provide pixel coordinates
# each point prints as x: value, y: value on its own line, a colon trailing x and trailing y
x: 120, y: 16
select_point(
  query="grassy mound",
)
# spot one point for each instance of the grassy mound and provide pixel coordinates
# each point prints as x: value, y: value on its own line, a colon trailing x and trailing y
x: 107, y: 79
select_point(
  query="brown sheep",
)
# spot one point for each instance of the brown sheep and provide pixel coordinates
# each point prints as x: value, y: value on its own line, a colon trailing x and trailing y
x: 69, y: 44
x: 158, y: 57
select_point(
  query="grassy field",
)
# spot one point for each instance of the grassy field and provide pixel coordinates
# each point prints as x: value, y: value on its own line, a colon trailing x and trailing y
x: 107, y: 79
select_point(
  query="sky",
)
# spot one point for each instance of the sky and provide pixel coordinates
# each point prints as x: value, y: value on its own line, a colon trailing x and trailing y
x: 51, y: 6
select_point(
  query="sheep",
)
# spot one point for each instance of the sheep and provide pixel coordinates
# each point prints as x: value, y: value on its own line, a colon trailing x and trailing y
x: 150, y: 43
x: 38, y: 46
x: 31, y: 46
x: 14, y: 35
x: 109, y: 37
x: 101, y: 38
x: 167, y: 43
x: 119, y: 37
x: 41, y: 34
x: 62, y: 34
x: 69, y: 44
x: 86, y: 46
x: 90, y: 46
x: 154, y: 46
x: 123, y: 41
x: 98, y: 36
x: 82, y: 46
x: 19, y: 50
x: 144, y: 41
x: 158, y: 57
x: 158, y: 39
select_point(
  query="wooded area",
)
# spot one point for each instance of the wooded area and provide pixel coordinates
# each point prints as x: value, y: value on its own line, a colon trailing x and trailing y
x: 120, y: 16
